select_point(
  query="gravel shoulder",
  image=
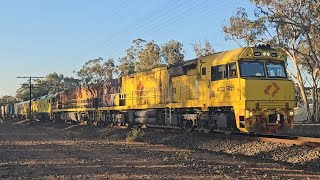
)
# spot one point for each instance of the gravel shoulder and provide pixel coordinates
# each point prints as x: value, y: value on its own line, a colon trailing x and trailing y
x: 47, y: 150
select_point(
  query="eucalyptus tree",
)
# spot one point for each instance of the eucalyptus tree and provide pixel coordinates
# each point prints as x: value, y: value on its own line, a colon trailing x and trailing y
x: 97, y: 70
x: 172, y: 52
x: 203, y: 50
x: 129, y: 62
x: 149, y: 57
x: 52, y: 83
x: 292, y: 26
x: 141, y: 55
x: 7, y: 99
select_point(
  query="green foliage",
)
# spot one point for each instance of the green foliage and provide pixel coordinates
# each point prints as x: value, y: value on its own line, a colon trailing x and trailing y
x: 149, y: 57
x: 185, y: 153
x: 126, y: 66
x: 51, y: 84
x: 203, y: 50
x: 7, y: 99
x: 172, y: 52
x: 241, y: 27
x: 97, y: 70
x: 69, y: 83
x: 292, y: 26
x: 143, y: 55
x: 129, y: 62
x: 134, y: 134
x: 22, y: 93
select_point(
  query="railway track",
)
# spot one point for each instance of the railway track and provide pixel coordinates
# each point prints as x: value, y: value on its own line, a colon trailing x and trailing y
x: 294, y: 140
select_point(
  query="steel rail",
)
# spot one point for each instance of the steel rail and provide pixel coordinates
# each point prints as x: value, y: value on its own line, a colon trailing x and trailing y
x: 293, y: 140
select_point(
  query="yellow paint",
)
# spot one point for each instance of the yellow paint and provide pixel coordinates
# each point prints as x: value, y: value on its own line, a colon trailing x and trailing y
x: 23, y: 108
x: 41, y: 105
x: 145, y: 88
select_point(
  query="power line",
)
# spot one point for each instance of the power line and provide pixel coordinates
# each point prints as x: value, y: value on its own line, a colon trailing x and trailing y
x: 163, y: 15
x: 186, y: 17
x: 169, y: 15
x: 119, y: 34
x: 198, y: 18
x: 168, y: 22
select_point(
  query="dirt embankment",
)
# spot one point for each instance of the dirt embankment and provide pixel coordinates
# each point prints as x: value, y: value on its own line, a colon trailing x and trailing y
x: 58, y: 151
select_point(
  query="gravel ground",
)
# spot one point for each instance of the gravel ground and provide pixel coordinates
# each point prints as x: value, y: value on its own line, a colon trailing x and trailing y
x: 302, y: 156
x: 302, y: 127
x: 63, y: 151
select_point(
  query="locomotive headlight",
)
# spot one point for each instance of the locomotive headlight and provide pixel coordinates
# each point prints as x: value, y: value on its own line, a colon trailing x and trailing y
x: 250, y: 114
x: 266, y: 54
x: 291, y: 113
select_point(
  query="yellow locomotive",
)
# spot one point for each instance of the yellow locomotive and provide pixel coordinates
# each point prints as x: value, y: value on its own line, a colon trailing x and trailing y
x: 22, y: 109
x: 41, y: 107
x: 245, y: 89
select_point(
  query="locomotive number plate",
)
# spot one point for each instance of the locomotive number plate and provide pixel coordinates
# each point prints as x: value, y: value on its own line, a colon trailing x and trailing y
x: 226, y: 88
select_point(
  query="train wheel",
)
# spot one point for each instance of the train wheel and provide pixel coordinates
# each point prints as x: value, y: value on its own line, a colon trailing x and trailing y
x: 104, y: 124
x: 228, y: 132
x: 188, y: 125
x: 207, y: 127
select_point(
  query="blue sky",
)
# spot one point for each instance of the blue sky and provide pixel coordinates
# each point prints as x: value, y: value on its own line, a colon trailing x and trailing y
x: 39, y: 37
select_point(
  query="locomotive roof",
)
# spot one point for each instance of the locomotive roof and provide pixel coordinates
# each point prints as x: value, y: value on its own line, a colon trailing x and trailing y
x: 24, y: 102
x: 225, y: 57
x: 53, y: 95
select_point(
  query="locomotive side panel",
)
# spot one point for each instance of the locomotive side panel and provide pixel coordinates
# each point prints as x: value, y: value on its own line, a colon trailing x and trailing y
x: 184, y: 89
x: 109, y: 91
x: 41, y: 108
x: 143, y: 90
x: 23, y: 109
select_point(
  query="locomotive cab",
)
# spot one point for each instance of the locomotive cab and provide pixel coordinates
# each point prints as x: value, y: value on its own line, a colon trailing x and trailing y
x: 266, y: 91
x: 251, y: 84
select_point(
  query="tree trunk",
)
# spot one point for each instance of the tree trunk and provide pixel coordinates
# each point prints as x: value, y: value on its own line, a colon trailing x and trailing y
x: 299, y: 80
x: 314, y: 105
x: 315, y: 98
x: 303, y: 94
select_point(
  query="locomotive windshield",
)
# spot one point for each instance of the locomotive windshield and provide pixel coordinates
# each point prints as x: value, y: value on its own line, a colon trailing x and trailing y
x: 258, y: 68
x: 276, y: 70
x: 252, y: 69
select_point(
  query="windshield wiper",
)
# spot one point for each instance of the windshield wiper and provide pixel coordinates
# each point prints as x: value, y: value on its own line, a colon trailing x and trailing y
x: 277, y: 77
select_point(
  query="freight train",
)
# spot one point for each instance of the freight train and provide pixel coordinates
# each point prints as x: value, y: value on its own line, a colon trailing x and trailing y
x: 8, y: 110
x: 241, y: 90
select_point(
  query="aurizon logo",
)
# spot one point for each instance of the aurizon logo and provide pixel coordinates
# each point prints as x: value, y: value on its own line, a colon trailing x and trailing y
x: 275, y: 88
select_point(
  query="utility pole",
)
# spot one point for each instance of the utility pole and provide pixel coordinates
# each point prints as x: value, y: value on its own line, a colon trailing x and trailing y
x: 30, y: 92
